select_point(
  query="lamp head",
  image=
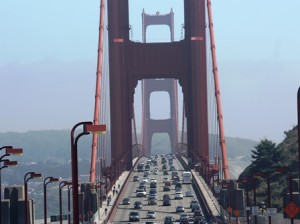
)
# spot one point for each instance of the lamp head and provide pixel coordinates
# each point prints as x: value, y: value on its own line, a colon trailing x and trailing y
x: 14, y: 151
x: 10, y: 163
x: 54, y: 179
x: 95, y: 129
x: 35, y: 175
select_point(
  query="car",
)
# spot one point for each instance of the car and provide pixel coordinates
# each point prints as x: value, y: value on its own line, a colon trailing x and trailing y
x: 166, y: 196
x: 152, y: 201
x: 151, y: 215
x: 153, y: 184
x: 150, y: 222
x: 153, y: 191
x: 179, y: 208
x: 153, y: 180
x: 178, y: 195
x: 193, y: 202
x: 134, y: 216
x: 165, y: 172
x: 166, y: 202
x: 196, y: 207
x: 138, y: 205
x: 189, y: 194
x: 184, y: 218
x: 166, y: 188
x: 198, y: 214
x: 168, y: 183
x: 141, y: 193
x: 136, y: 179
x: 141, y: 187
x: 145, y: 179
x: 126, y: 201
x: 168, y: 220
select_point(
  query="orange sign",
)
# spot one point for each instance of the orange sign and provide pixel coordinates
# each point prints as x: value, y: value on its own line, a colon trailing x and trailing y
x: 229, y: 209
x: 291, y: 210
x: 236, y: 213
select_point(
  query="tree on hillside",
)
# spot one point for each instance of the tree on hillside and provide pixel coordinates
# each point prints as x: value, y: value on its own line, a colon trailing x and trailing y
x: 266, y: 155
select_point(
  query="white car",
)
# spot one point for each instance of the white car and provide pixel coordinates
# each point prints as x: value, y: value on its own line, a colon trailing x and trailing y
x: 178, y: 195
x: 145, y: 179
x: 151, y: 215
x: 141, y: 193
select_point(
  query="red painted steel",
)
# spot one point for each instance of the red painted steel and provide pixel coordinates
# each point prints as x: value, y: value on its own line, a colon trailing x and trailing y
x: 217, y: 89
x: 150, y: 126
x: 130, y: 62
x: 98, y: 91
x: 298, y: 107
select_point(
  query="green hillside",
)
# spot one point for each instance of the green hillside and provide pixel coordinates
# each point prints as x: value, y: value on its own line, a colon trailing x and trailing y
x: 266, y: 157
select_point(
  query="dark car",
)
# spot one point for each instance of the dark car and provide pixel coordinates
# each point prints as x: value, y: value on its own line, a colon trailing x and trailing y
x: 138, y: 205
x: 166, y: 196
x: 179, y: 208
x: 126, y: 201
x: 134, y: 216
x: 184, y: 218
x: 136, y: 179
x: 168, y: 220
x: 166, y: 188
x: 166, y: 202
x: 152, y: 201
x: 196, y: 207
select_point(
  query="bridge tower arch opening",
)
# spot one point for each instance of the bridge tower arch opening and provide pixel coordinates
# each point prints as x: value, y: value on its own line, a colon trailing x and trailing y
x: 160, y: 144
x: 160, y: 105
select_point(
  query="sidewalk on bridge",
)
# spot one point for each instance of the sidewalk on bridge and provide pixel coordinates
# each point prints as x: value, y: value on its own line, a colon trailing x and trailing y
x: 210, y: 199
x: 101, y: 216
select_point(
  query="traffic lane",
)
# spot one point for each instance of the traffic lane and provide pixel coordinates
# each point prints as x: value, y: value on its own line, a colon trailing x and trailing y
x: 122, y: 214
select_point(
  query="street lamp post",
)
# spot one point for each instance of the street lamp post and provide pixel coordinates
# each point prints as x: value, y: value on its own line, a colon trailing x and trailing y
x: 69, y: 204
x: 267, y: 177
x: 286, y: 170
x: 61, y: 185
x: 8, y: 151
x: 245, y: 181
x: 87, y: 128
x: 27, y: 177
x: 226, y: 185
x: 7, y: 163
x: 47, y: 180
x: 99, y: 185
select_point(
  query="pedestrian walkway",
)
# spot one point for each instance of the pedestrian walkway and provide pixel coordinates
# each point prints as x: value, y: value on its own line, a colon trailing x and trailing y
x: 103, y: 213
x: 209, y: 198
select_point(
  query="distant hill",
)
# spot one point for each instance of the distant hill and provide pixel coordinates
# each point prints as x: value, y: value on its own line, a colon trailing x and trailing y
x: 238, y: 154
x: 53, y: 147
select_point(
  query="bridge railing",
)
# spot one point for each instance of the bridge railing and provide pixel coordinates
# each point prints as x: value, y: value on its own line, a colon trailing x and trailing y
x: 200, y: 186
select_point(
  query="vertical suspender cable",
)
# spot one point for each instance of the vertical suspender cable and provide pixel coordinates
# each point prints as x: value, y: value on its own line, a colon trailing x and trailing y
x: 182, y: 123
x: 298, y: 109
x: 217, y: 89
x: 134, y: 127
x: 98, y: 90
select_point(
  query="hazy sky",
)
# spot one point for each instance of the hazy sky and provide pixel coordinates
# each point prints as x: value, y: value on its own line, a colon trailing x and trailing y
x: 48, y: 54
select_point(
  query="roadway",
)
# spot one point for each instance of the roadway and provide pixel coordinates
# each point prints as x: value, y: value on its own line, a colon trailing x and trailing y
x: 121, y: 214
